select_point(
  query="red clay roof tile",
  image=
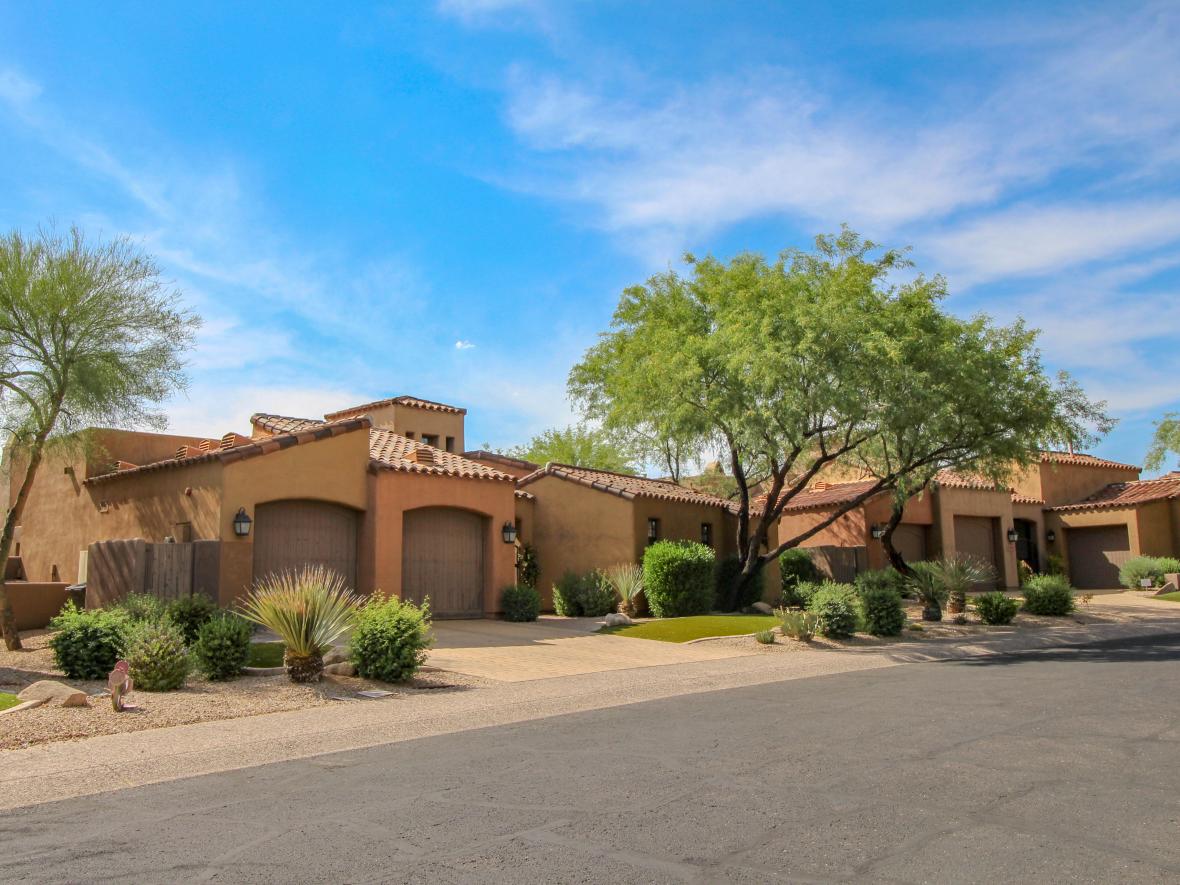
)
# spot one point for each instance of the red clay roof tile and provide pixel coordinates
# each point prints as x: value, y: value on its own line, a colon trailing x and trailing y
x: 1079, y: 459
x: 1129, y: 494
x: 283, y: 423
x: 411, y: 401
x: 625, y: 485
x: 392, y: 451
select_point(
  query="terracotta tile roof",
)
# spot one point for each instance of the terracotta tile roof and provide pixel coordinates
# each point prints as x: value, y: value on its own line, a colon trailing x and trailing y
x: 823, y: 495
x: 1081, y: 460
x: 411, y: 401
x: 507, y: 460
x: 525, y: 496
x: 1129, y: 494
x: 251, y: 449
x: 282, y: 423
x: 624, y: 485
x: 392, y: 451
x: 953, y: 479
x: 1018, y: 498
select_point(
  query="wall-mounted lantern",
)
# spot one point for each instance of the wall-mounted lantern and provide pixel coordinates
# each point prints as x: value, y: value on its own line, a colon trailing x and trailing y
x: 1050, y: 536
x: 877, y: 531
x: 1013, y: 535
x: 508, y: 533
x: 242, y: 523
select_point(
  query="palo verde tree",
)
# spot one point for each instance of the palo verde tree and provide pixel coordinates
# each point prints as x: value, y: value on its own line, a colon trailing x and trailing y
x: 580, y: 446
x: 90, y: 335
x: 1165, y: 440
x: 787, y: 367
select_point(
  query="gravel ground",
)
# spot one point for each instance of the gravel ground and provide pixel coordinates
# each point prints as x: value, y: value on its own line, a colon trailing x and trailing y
x: 198, y: 701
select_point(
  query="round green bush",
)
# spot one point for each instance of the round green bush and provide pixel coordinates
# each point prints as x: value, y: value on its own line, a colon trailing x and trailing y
x: 995, y: 608
x: 1048, y: 595
x: 834, y: 605
x: 1146, y: 568
x: 888, y: 578
x: 520, y: 603
x: 190, y: 613
x: 882, y: 610
x: 390, y: 640
x: 678, y: 578
x: 583, y: 595
x: 222, y: 647
x: 726, y: 571
x: 87, y: 642
x: 142, y: 607
x: 796, y: 567
x: 157, y: 655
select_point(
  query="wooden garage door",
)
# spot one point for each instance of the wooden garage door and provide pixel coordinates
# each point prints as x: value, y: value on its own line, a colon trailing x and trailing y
x: 910, y: 542
x: 975, y: 536
x: 1095, y: 555
x: 291, y: 534
x: 443, y: 558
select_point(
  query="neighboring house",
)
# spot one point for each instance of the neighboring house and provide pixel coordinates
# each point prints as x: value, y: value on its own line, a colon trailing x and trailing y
x: 584, y: 519
x: 365, y: 492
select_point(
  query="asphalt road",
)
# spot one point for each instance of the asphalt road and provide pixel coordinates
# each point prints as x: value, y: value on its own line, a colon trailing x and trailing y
x: 1059, y: 766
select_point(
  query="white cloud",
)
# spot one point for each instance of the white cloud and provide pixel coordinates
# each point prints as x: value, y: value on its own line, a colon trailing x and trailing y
x: 211, y: 409
x: 463, y: 345
x: 16, y: 89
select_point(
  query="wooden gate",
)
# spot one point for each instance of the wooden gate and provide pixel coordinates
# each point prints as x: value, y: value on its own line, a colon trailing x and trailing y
x: 443, y: 558
x: 133, y: 565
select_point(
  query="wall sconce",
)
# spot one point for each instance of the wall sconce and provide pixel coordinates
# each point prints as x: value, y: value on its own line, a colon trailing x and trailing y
x: 1013, y: 535
x: 242, y: 523
x: 877, y: 531
x: 508, y: 533
x: 1050, y: 536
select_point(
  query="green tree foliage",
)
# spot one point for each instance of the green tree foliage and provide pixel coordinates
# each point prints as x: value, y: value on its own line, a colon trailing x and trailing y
x: 1166, y: 441
x: 578, y: 445
x: 89, y: 336
x: 815, y: 358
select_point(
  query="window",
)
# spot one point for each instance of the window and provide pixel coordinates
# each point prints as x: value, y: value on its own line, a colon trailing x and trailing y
x: 707, y: 534
x: 431, y: 439
x: 409, y: 434
x: 653, y: 530
x: 450, y: 444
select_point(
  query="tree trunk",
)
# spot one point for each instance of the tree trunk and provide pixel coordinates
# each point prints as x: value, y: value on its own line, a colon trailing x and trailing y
x: 895, y: 557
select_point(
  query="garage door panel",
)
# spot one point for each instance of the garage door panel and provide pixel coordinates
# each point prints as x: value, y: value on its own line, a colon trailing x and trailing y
x: 910, y: 542
x: 443, y: 559
x: 975, y: 536
x: 1096, y: 554
x: 290, y: 535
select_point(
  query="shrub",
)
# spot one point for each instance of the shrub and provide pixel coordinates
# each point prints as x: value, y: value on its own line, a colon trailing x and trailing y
x: 587, y: 595
x: 222, y: 647
x: 527, y: 567
x: 142, y: 607
x: 996, y: 608
x: 1141, y: 568
x: 796, y: 567
x: 958, y: 574
x: 803, y: 592
x: 926, y: 583
x: 678, y: 578
x: 1054, y: 564
x: 308, y: 609
x: 765, y: 637
x: 157, y: 656
x: 1024, y: 571
x: 726, y: 572
x: 391, y: 639
x: 799, y: 625
x: 520, y: 603
x: 626, y: 579
x: 87, y: 644
x: 887, y: 578
x: 191, y: 613
x: 882, y: 610
x: 834, y: 606
x: 1048, y: 595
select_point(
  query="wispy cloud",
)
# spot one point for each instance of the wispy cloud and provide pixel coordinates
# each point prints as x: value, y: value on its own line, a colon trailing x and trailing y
x: 463, y: 345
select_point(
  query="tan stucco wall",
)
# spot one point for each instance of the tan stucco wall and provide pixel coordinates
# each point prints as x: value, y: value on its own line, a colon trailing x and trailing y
x: 391, y: 493
x: 34, y: 605
x: 1057, y: 484
x: 679, y: 521
x: 409, y: 420
x: 1155, y: 529
x: 950, y: 502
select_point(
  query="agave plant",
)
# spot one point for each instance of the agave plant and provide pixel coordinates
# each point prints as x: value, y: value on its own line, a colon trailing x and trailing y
x: 309, y: 609
x: 626, y: 579
x: 926, y: 583
x: 959, y: 574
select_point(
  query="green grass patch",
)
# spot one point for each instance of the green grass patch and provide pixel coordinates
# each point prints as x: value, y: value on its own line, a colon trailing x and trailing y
x: 266, y: 654
x: 696, y: 627
x: 8, y: 700
x: 1171, y: 597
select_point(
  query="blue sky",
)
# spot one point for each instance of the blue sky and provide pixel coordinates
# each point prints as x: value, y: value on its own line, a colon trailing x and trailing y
x: 446, y: 199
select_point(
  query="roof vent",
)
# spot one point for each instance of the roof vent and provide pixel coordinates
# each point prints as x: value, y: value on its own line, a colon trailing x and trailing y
x: 422, y: 455
x: 208, y: 445
x: 231, y: 439
x: 821, y: 485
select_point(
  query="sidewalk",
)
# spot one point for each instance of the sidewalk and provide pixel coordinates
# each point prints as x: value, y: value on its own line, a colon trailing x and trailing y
x: 64, y: 770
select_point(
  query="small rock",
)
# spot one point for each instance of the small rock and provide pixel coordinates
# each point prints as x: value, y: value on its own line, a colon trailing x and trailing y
x: 341, y: 668
x: 337, y: 655
x: 617, y: 619
x: 762, y: 608
x: 54, y: 693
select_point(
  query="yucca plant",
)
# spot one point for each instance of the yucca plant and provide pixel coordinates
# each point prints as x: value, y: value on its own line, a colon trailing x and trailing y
x: 958, y: 575
x: 309, y: 609
x: 926, y: 583
x: 626, y: 579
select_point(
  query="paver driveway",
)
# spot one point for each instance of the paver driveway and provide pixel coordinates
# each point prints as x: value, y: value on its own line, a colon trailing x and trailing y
x: 553, y: 647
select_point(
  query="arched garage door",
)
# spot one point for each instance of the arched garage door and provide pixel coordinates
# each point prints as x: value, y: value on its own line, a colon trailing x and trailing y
x: 443, y: 558
x: 976, y: 537
x: 1096, y: 554
x: 291, y: 534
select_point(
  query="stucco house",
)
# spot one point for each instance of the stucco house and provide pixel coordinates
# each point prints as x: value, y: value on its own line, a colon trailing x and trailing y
x: 377, y: 492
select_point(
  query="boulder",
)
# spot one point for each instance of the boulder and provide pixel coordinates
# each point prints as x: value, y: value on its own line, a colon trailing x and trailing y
x: 337, y: 655
x: 617, y: 619
x: 1169, y: 585
x: 54, y: 693
x: 762, y: 608
x: 340, y: 668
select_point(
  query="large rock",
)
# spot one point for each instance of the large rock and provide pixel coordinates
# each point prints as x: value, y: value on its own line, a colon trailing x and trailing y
x: 762, y: 608
x: 340, y: 668
x: 54, y: 693
x: 337, y: 655
x: 618, y: 619
x: 1169, y: 585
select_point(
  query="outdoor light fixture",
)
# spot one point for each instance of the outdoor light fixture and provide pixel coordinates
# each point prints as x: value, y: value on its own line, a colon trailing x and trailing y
x: 1050, y: 536
x: 877, y: 531
x: 242, y: 523
x: 508, y: 533
x: 1013, y: 535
